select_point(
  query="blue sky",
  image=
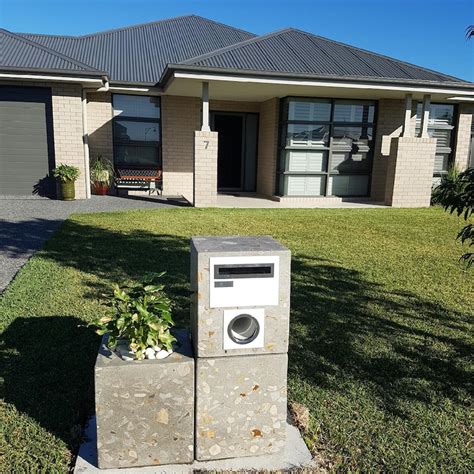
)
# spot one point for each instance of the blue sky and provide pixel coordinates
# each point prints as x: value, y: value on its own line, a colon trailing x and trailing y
x: 429, y: 33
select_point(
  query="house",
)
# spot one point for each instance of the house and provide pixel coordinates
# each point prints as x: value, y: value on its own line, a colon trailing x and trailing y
x: 288, y: 115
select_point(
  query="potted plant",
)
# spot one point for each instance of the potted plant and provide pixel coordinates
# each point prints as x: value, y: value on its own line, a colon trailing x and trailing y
x: 144, y: 407
x: 101, y: 175
x: 66, y: 175
x: 140, y: 321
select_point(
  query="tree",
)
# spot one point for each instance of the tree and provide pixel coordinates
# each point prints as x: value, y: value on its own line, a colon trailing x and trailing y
x: 456, y: 194
x: 469, y: 31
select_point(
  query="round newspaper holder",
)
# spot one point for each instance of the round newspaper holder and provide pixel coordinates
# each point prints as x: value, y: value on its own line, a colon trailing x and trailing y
x: 243, y: 329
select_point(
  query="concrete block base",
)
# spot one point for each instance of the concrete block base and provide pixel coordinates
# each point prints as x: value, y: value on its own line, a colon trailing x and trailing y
x: 294, y: 455
x: 145, y: 409
x: 240, y: 406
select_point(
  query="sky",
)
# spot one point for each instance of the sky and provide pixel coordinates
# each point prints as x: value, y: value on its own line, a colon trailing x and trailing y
x: 429, y: 33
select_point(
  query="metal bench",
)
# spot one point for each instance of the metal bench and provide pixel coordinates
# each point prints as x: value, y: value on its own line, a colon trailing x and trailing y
x: 139, y: 178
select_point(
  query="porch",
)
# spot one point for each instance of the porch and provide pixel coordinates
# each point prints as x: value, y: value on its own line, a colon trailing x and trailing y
x: 302, y: 147
x: 255, y: 201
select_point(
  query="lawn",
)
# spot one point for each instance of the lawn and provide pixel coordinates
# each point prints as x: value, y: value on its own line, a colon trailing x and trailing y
x: 381, y: 329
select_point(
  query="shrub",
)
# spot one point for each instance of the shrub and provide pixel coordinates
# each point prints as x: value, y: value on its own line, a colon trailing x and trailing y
x: 456, y: 194
x: 101, y: 170
x: 140, y: 314
x: 66, y: 173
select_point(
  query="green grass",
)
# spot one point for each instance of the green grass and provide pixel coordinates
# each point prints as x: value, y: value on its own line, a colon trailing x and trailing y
x: 381, y: 329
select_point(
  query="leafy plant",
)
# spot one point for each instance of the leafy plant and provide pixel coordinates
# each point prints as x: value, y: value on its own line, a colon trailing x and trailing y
x: 457, y: 195
x: 101, y: 170
x: 66, y: 173
x: 141, y: 314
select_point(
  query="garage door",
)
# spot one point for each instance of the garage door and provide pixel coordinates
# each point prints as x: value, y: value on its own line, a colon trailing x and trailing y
x: 26, y: 141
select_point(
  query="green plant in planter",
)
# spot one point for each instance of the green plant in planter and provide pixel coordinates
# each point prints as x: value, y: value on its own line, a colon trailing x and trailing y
x: 101, y: 174
x: 66, y: 175
x: 141, y: 314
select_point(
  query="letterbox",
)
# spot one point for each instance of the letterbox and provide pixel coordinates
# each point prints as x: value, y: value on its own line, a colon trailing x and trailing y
x: 240, y: 295
x: 239, y: 318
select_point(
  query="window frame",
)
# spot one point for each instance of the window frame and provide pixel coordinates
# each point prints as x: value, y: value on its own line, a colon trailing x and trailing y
x: 282, y: 146
x: 158, y: 145
x: 452, y: 142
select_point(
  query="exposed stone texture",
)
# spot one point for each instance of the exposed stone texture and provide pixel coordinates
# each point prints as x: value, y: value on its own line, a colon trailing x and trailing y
x: 145, y: 409
x: 205, y: 169
x: 463, y: 136
x: 410, y: 172
x: 240, y: 406
x: 207, y: 323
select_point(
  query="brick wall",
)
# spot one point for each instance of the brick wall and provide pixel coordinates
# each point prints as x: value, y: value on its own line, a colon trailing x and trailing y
x: 180, y: 119
x: 410, y: 172
x: 267, y: 147
x: 390, y: 118
x: 205, y: 169
x: 67, y: 125
x: 99, y: 125
x: 233, y: 106
x: 463, y: 135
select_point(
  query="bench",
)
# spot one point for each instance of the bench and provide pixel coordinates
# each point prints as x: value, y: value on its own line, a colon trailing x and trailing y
x: 140, y: 178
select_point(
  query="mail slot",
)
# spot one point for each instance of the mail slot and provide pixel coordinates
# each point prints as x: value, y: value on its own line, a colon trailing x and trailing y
x: 245, y: 270
x: 243, y: 281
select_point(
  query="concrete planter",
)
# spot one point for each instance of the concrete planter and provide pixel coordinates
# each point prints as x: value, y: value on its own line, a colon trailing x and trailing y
x: 145, y: 409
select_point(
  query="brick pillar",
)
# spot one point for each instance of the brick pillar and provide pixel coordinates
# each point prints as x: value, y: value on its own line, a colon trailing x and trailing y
x: 463, y: 135
x: 410, y: 172
x: 205, y: 169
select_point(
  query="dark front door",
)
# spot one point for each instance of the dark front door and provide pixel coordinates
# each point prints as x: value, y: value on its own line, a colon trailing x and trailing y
x: 229, y: 155
x: 237, y: 150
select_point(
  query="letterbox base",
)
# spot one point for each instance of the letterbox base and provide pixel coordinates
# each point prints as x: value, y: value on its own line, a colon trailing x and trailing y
x: 240, y: 406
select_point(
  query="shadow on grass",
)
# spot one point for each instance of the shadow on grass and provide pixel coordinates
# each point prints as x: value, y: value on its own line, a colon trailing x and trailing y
x: 47, y: 368
x: 342, y: 328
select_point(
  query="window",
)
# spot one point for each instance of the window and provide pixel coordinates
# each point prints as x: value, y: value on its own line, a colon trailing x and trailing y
x: 441, y: 127
x: 137, y: 130
x: 326, y: 147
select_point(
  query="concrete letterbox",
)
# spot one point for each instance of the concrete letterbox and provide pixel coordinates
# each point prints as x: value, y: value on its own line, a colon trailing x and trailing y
x: 240, y: 318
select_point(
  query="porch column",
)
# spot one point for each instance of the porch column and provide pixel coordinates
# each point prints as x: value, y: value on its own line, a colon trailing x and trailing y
x: 205, y: 107
x: 425, y: 115
x: 205, y: 169
x: 410, y: 172
x: 407, y: 129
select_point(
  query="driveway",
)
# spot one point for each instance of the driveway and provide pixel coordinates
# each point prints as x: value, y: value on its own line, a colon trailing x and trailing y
x: 25, y: 224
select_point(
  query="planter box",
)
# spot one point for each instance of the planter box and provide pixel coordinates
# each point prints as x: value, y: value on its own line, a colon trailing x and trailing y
x: 145, y: 409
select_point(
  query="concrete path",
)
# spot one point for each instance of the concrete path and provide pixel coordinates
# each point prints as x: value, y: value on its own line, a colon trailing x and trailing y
x: 25, y: 224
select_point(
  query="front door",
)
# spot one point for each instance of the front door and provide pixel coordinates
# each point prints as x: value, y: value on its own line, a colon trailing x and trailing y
x: 237, y: 150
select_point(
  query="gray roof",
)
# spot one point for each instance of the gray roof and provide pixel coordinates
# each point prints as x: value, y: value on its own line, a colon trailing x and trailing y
x: 147, y: 53
x: 294, y: 51
x: 139, y: 54
x: 17, y: 53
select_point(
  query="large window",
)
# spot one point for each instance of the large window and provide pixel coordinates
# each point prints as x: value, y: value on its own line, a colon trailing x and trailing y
x: 136, y: 128
x: 325, y: 147
x: 441, y: 127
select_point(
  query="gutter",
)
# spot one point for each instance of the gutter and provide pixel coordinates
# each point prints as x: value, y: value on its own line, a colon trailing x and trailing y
x: 261, y: 76
x: 98, y: 79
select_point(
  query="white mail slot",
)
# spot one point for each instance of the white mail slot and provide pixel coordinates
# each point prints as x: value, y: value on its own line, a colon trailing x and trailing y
x: 244, y: 281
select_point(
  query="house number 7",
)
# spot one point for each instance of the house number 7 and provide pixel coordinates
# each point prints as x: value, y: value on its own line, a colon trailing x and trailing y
x: 207, y: 144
